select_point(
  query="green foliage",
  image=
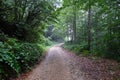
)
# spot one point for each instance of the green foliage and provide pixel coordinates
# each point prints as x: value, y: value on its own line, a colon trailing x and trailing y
x: 85, y: 52
x: 77, y: 48
x: 104, y: 26
x: 25, y: 19
x: 16, y: 57
x: 22, y: 41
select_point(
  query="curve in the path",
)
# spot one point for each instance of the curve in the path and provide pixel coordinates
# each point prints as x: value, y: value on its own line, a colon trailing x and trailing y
x: 52, y: 68
x: 58, y: 64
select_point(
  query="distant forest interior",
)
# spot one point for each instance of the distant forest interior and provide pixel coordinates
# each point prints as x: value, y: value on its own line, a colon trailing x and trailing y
x: 29, y: 27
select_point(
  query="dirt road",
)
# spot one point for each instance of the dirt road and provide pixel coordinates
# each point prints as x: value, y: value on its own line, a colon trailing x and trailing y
x: 54, y: 67
x: 60, y: 64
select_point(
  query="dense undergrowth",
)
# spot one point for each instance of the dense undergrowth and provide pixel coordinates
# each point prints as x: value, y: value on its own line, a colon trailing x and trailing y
x: 81, y: 49
x: 76, y: 47
x: 22, y: 40
x: 17, y: 56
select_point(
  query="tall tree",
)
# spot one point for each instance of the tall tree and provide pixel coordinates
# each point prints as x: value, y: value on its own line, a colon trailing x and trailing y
x: 74, y: 21
x: 89, y: 25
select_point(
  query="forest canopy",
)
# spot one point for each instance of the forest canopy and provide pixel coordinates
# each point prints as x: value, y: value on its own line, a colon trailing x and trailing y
x: 90, y: 27
x: 22, y: 41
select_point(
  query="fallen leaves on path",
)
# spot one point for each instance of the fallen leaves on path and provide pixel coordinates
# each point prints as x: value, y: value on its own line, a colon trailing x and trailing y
x: 94, y: 68
x: 79, y: 67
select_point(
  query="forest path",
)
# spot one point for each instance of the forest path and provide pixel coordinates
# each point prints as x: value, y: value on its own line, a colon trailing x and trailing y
x: 55, y: 66
x: 60, y: 64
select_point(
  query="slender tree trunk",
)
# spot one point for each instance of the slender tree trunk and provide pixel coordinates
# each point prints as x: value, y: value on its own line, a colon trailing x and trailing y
x: 89, y: 26
x: 67, y: 33
x: 15, y: 10
x: 74, y: 23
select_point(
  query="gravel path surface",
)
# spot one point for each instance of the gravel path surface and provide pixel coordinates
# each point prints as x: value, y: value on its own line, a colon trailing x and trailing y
x: 55, y: 66
x: 60, y: 64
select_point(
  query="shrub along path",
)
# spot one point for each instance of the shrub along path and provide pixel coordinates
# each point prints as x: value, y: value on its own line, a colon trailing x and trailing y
x: 60, y: 64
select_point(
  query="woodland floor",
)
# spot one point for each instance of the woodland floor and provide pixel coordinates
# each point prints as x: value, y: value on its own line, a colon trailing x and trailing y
x: 60, y: 64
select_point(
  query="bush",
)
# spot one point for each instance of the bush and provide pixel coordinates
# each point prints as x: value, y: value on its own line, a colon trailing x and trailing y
x: 77, y: 48
x: 16, y: 57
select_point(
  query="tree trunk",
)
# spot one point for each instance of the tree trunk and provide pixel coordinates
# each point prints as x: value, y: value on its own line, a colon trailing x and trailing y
x: 15, y: 10
x: 89, y: 27
x: 74, y: 23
